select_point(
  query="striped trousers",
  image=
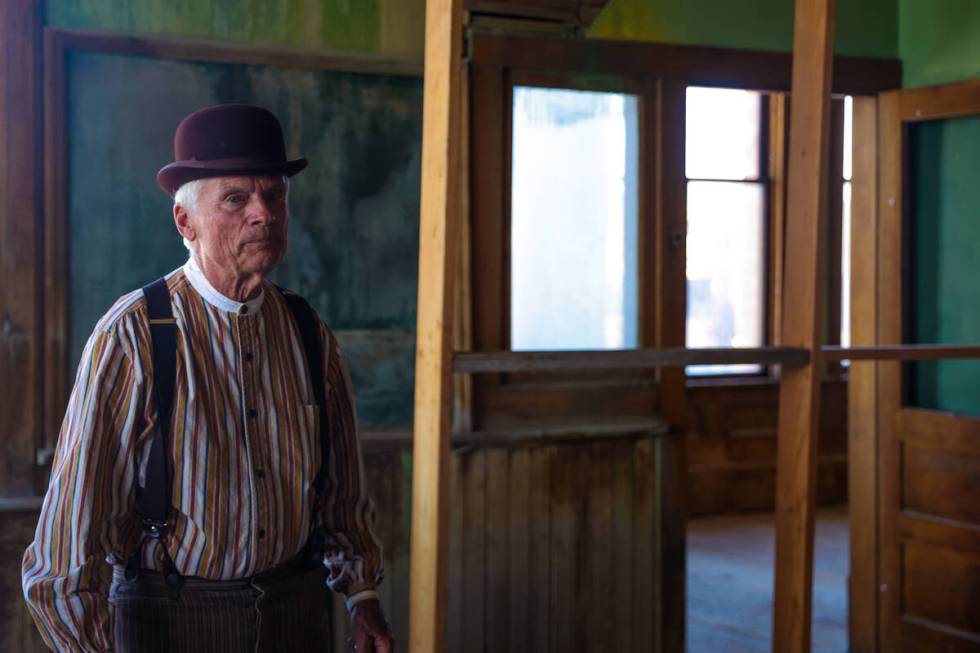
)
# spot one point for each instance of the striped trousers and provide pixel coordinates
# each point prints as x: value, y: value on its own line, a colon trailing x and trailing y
x: 284, y: 609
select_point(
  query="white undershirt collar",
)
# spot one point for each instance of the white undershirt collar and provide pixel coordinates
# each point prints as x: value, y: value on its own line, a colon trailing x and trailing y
x: 204, y: 288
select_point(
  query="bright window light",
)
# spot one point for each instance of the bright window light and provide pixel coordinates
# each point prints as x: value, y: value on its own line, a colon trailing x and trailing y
x: 573, y: 220
x: 726, y: 209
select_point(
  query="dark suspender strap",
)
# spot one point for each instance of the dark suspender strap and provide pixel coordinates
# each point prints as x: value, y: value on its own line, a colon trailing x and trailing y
x: 309, y: 330
x: 153, y: 499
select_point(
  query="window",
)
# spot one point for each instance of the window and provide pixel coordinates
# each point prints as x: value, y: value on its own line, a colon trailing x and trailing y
x: 726, y: 223
x: 573, y: 236
x: 845, y: 262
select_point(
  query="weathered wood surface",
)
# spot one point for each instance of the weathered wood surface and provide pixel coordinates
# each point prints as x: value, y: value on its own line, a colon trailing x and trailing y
x: 731, y: 447
x: 20, y: 291
x: 799, y: 396
x: 17, y: 630
x: 552, y: 547
x: 438, y: 247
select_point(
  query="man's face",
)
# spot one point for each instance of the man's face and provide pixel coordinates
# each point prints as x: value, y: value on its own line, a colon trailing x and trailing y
x: 238, y: 223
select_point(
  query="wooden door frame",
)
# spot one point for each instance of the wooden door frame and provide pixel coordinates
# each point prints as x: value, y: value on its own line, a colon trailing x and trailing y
x: 897, y: 108
x: 862, y: 446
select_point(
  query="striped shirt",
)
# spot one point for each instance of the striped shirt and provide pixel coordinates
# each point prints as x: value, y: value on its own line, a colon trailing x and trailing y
x: 244, y: 450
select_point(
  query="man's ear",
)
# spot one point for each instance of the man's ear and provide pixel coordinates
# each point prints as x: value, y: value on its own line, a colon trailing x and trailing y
x: 183, y: 221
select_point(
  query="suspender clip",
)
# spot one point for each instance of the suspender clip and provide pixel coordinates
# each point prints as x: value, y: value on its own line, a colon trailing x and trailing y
x: 153, y: 528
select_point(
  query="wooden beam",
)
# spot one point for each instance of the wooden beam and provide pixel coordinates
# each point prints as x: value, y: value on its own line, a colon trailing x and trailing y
x: 862, y: 387
x: 623, y: 359
x: 438, y: 243
x: 900, y: 352
x: 694, y: 64
x: 20, y: 232
x: 799, y: 392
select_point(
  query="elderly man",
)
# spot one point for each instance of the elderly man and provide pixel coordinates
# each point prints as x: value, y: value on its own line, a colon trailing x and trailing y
x: 208, y: 481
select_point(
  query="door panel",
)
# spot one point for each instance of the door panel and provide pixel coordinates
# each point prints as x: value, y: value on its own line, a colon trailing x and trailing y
x: 929, y: 460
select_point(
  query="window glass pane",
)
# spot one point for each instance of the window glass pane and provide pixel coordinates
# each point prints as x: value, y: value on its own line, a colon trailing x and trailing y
x: 845, y: 269
x: 573, y: 220
x: 722, y: 133
x: 725, y: 273
x: 848, y: 135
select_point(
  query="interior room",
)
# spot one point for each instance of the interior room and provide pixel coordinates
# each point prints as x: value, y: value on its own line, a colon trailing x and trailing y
x: 660, y: 318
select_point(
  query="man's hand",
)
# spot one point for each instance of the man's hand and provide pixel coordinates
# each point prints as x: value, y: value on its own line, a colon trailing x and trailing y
x: 369, y: 630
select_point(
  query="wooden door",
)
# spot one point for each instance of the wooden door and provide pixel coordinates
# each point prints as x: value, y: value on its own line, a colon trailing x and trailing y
x: 929, y: 414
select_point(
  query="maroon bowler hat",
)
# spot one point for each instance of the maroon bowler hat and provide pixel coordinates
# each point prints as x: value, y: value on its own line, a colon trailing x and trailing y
x: 227, y: 140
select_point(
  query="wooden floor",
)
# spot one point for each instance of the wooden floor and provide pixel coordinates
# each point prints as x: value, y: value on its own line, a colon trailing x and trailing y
x: 730, y: 576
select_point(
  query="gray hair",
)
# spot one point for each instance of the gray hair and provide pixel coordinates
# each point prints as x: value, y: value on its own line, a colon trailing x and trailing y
x: 187, y: 196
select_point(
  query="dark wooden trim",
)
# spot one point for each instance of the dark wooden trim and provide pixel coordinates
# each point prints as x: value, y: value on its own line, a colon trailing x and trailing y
x: 488, y: 213
x: 198, y: 49
x: 835, y: 219
x: 21, y: 231
x: 900, y: 352
x: 890, y: 312
x: 55, y: 236
x: 696, y: 65
x: 777, y: 142
x: 608, y: 83
x: 623, y: 359
x: 670, y: 309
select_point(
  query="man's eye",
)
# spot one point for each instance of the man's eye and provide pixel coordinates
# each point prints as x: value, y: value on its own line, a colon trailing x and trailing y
x: 235, y: 199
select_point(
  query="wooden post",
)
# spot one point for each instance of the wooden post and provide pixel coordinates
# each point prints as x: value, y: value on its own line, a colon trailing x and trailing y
x: 799, y: 393
x: 433, y: 359
x: 862, y: 401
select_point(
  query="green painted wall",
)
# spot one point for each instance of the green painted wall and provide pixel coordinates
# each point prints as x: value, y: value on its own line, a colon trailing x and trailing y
x: 391, y: 26
x: 939, y: 41
x: 863, y: 27
x: 945, y: 235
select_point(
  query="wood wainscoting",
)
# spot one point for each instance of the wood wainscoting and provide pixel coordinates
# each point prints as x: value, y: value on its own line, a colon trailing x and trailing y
x: 17, y: 631
x: 731, y: 447
x: 555, y: 544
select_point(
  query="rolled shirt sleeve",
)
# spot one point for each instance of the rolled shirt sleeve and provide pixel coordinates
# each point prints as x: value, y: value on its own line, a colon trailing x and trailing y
x: 85, y: 515
x: 353, y: 556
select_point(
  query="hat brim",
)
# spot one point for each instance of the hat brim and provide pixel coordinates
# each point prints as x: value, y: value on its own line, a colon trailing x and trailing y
x: 174, y: 175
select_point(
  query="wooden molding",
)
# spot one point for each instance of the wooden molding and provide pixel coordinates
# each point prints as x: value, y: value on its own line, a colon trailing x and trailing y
x: 696, y: 65
x: 623, y: 359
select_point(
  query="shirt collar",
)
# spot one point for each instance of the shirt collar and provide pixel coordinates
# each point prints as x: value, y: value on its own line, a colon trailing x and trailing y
x: 204, y: 288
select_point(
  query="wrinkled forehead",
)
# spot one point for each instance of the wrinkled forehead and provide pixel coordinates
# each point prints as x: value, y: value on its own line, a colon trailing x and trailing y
x: 247, y: 183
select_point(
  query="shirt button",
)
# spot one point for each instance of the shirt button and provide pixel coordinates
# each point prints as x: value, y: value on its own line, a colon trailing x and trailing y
x: 252, y: 413
x: 243, y: 310
x: 259, y: 473
x: 261, y: 533
x: 247, y: 357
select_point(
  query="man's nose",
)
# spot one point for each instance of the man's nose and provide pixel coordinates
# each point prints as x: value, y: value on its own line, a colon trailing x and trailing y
x: 259, y: 211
